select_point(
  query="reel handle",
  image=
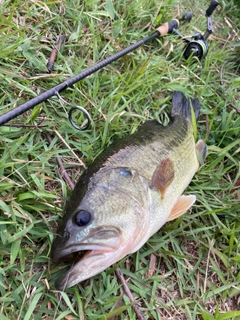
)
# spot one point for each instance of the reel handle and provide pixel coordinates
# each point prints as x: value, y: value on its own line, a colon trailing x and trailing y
x: 211, y: 8
x: 186, y: 17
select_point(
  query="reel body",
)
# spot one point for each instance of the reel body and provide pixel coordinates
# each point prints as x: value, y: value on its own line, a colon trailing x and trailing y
x: 198, y: 47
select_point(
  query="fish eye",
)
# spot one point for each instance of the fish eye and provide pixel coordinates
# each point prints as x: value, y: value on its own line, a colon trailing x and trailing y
x: 125, y: 172
x: 82, y: 218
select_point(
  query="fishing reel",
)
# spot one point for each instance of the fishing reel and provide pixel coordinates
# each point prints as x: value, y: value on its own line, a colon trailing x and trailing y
x: 198, y: 46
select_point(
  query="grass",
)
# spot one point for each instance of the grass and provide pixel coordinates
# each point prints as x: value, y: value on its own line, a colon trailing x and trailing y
x: 197, y: 268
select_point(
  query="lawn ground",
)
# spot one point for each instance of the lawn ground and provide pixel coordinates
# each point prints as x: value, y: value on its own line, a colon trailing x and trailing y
x: 197, y: 257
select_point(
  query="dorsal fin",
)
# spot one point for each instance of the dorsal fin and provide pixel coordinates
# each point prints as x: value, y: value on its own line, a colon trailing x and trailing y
x: 163, y: 176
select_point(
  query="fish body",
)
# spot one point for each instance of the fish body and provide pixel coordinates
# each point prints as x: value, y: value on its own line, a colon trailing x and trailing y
x: 128, y: 193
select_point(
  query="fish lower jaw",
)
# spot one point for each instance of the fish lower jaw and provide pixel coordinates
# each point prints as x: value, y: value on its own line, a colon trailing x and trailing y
x: 90, y: 264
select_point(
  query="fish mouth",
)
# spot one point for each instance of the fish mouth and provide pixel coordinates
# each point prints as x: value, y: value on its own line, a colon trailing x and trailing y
x: 86, y: 263
x: 97, y: 251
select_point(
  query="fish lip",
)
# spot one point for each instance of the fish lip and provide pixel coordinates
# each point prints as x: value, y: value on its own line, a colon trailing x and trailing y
x: 99, y: 239
x: 70, y: 251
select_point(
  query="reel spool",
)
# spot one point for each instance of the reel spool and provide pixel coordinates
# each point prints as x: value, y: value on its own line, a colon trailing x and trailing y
x: 198, y: 47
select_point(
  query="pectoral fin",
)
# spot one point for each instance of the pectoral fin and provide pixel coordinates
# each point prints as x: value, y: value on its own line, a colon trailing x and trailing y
x: 163, y: 176
x: 181, y: 206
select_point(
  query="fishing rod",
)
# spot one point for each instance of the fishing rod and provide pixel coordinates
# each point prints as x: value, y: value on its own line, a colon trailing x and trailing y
x: 197, y: 47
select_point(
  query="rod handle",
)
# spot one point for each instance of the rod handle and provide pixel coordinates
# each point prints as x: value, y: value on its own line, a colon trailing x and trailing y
x: 168, y: 27
x: 212, y: 7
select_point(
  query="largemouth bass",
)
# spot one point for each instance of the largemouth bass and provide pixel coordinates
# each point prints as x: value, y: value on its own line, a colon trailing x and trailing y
x: 128, y: 193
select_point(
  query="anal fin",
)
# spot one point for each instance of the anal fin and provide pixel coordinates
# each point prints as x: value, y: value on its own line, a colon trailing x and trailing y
x: 181, y: 206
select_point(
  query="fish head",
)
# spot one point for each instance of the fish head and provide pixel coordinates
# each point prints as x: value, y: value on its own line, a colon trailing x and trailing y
x: 104, y: 226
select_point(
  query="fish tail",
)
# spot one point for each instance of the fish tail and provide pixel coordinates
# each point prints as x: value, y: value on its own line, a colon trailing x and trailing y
x: 182, y: 106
